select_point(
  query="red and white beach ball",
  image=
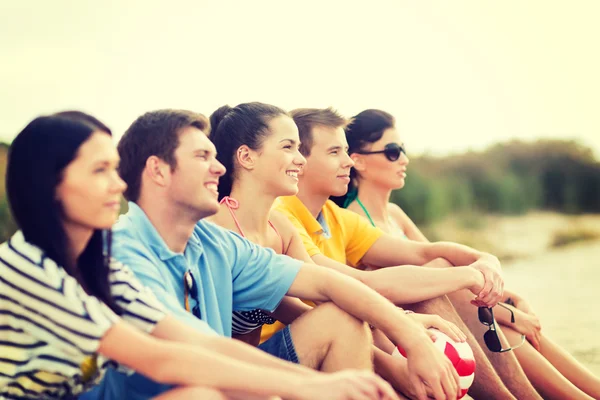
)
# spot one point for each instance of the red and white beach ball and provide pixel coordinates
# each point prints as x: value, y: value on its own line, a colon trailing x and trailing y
x: 460, y: 354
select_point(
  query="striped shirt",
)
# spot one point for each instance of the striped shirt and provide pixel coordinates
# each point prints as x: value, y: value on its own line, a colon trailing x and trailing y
x: 50, y: 329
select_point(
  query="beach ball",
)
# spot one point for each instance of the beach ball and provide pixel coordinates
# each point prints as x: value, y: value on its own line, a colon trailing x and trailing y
x: 460, y: 354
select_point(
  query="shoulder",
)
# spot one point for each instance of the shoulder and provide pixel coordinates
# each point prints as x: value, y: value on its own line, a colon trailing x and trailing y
x: 398, y: 214
x: 282, y: 223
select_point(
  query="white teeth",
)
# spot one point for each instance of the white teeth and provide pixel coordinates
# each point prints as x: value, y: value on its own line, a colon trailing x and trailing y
x: 212, y: 186
x: 292, y: 174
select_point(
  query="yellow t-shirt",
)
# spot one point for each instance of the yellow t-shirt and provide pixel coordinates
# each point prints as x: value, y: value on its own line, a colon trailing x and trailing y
x: 339, y: 234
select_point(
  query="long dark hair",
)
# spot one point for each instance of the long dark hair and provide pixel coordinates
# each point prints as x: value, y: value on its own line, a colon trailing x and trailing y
x: 364, y: 128
x: 232, y: 127
x: 36, y: 162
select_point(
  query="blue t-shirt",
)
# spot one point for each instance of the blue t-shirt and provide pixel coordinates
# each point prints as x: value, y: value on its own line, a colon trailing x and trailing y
x: 231, y: 272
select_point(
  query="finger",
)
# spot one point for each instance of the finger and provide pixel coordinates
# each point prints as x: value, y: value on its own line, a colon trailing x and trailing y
x: 364, y: 390
x: 418, y: 387
x: 487, y: 286
x: 386, y: 391
x: 437, y: 388
x: 451, y: 382
x: 450, y: 330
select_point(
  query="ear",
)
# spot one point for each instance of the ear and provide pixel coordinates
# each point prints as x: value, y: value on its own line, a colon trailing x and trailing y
x: 158, y: 171
x: 246, y: 157
x: 359, y: 162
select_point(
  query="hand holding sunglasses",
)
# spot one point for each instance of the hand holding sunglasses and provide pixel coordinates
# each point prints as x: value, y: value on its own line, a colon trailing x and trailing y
x: 391, y: 151
x: 491, y: 338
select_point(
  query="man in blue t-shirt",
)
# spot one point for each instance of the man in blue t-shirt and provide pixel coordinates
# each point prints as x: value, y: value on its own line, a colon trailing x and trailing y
x: 202, y: 273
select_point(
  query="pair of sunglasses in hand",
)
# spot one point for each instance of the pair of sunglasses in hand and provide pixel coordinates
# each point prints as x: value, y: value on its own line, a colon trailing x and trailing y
x: 491, y: 338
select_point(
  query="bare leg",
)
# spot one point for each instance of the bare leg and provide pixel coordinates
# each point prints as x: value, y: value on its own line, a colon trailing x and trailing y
x: 328, y: 339
x: 506, y: 364
x: 548, y: 380
x: 488, y: 384
x: 192, y: 393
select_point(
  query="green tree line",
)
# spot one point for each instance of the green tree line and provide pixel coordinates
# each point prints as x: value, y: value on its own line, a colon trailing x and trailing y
x: 507, y: 178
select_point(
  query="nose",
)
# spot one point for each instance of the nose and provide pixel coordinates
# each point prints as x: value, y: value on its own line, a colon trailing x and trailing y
x: 404, y: 160
x: 217, y: 168
x: 299, y: 159
x: 119, y: 184
x: 348, y: 162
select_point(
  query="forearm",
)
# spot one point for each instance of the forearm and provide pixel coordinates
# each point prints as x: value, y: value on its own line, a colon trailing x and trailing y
x: 455, y: 253
x: 411, y: 284
x: 511, y: 295
x: 194, y: 366
x: 170, y: 362
x: 502, y: 315
x: 172, y: 329
x: 358, y: 300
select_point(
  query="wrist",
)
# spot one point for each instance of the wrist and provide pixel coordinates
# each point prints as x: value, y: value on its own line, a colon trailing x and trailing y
x: 473, y: 277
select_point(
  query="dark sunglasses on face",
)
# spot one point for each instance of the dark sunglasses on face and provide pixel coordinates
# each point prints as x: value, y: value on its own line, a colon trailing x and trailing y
x: 491, y: 338
x: 391, y: 151
x: 190, y: 288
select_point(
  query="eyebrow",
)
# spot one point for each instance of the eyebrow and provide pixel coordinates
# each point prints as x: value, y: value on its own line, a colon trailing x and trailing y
x: 332, y: 148
x: 107, y: 161
x: 203, y: 152
x: 288, y: 140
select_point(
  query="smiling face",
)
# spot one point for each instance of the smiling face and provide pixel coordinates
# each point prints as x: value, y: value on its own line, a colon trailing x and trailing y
x: 376, y: 168
x: 278, y: 162
x: 90, y: 189
x: 193, y: 184
x: 327, y: 171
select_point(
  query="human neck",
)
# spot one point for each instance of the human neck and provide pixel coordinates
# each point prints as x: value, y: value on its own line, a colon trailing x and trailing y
x: 314, y: 202
x: 173, y: 223
x: 375, y: 199
x: 254, y: 207
x: 78, y: 238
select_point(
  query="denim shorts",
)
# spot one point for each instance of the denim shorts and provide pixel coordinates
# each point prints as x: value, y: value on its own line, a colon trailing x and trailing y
x: 281, y: 346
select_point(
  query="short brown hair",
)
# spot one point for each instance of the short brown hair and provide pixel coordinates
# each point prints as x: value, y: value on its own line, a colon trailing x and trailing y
x: 308, y: 118
x: 155, y: 133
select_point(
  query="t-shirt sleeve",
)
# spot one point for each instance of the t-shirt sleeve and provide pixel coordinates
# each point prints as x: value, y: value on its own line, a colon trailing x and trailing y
x: 140, y: 306
x: 360, y: 235
x: 43, y: 300
x: 261, y: 278
x: 309, y: 245
x: 149, y: 275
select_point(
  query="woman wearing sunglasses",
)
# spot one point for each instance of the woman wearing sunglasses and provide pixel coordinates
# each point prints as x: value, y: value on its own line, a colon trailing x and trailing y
x: 67, y: 308
x: 378, y: 152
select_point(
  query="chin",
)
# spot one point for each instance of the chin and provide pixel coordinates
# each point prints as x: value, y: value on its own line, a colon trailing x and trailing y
x: 339, y: 191
x: 290, y: 190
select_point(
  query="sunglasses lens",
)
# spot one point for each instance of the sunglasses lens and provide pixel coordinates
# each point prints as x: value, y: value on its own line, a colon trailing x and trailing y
x: 485, y: 316
x: 492, y: 341
x: 197, y: 312
x: 392, y: 151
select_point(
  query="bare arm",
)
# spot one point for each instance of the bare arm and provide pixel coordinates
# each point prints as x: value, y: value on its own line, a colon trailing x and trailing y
x: 426, y: 364
x: 175, y: 363
x: 389, y: 250
x: 400, y: 285
x: 174, y: 330
x: 289, y: 309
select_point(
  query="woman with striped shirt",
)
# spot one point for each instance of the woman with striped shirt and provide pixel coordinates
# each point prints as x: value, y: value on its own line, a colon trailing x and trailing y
x: 66, y: 307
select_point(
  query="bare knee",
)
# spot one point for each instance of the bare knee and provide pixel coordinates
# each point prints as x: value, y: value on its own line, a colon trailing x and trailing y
x: 332, y: 317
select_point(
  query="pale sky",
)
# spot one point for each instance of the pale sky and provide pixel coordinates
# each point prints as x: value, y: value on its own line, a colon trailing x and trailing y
x: 456, y: 74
